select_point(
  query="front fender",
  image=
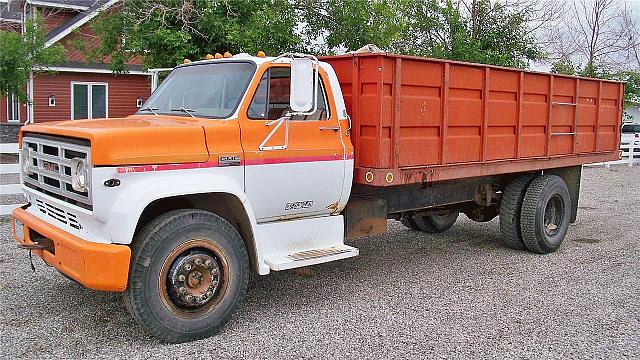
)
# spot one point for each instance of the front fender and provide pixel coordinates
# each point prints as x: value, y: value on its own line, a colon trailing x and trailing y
x: 120, y: 207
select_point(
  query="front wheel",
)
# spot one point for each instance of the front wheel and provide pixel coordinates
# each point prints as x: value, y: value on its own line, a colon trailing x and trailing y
x: 189, y: 271
x: 545, y: 214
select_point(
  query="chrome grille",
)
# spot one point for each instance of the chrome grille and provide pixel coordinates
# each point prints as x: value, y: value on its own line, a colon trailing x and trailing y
x: 55, y: 212
x: 50, y: 168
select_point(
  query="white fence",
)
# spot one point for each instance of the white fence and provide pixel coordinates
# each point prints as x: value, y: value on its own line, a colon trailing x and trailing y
x: 9, y: 189
x: 630, y: 155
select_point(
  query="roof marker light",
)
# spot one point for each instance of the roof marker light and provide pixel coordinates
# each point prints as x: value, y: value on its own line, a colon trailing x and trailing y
x: 261, y: 54
x: 209, y: 57
x: 227, y: 54
x: 218, y: 56
x: 186, y: 61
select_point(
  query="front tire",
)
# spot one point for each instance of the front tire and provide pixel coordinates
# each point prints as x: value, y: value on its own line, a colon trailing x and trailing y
x: 189, y: 271
x: 545, y: 214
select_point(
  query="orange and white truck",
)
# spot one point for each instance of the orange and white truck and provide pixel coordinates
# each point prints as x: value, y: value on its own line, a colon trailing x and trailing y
x: 245, y: 164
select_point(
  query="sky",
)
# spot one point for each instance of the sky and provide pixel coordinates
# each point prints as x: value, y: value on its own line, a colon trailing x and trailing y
x: 633, y: 5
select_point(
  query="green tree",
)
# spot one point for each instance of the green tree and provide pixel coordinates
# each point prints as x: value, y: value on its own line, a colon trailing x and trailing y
x: 23, y: 53
x: 350, y: 24
x: 497, y: 35
x: 165, y: 32
x: 563, y: 66
x: 489, y: 33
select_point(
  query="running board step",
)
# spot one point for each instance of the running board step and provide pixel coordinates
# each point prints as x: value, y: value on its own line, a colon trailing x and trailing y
x: 310, y: 257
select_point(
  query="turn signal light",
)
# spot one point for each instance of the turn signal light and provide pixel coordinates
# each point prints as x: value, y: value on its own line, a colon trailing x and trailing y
x: 227, y: 54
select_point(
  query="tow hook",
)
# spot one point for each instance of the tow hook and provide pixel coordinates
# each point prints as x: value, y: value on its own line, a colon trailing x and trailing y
x: 31, y: 247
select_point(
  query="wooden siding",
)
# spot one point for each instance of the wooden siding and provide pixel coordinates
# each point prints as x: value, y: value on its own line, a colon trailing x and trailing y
x: 53, y: 18
x: 10, y: 26
x: 90, y: 41
x: 123, y: 90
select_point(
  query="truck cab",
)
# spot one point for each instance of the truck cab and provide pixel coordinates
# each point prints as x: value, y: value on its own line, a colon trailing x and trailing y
x: 223, y: 141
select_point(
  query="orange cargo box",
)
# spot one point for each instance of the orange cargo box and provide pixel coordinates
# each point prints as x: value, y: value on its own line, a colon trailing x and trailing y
x: 419, y: 120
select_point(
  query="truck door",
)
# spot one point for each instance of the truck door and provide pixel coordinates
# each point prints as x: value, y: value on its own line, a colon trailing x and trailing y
x: 305, y: 178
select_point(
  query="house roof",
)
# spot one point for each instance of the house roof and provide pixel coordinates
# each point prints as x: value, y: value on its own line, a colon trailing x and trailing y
x: 11, y: 11
x: 9, y: 14
x: 80, y: 19
x: 63, y: 4
x: 58, y: 4
x: 96, y: 67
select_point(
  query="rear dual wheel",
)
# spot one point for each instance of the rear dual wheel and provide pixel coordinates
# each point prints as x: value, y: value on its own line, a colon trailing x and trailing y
x: 545, y: 214
x: 510, y: 206
x: 189, y: 271
x: 535, y: 213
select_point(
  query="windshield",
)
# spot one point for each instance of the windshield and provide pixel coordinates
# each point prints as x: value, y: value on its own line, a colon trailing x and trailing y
x: 203, y: 90
x: 631, y: 128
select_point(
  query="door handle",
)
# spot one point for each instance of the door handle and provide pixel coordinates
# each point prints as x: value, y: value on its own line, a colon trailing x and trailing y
x: 332, y: 128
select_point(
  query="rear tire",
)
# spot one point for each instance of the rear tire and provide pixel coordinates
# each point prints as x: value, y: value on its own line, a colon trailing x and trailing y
x: 435, y: 223
x: 407, y: 220
x: 189, y: 271
x: 510, y: 206
x: 482, y: 213
x: 546, y: 213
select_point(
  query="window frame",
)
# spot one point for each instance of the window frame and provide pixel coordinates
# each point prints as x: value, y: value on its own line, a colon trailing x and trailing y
x: 322, y: 89
x: 633, y: 128
x: 90, y: 98
x: 13, y: 100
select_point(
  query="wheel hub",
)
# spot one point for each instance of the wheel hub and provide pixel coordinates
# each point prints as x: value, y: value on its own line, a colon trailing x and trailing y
x: 553, y: 215
x: 193, y: 279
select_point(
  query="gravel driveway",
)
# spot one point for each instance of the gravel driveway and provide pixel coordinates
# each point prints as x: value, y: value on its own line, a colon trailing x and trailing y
x: 407, y: 295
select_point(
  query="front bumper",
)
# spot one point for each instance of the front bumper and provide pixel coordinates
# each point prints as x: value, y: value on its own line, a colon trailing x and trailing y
x: 94, y: 265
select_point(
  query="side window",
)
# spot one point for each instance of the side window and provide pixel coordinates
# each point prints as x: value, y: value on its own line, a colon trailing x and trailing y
x: 89, y: 100
x: 271, y: 99
x: 13, y: 108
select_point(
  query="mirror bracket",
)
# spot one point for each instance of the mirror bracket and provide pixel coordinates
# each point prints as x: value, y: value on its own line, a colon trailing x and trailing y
x: 277, y: 125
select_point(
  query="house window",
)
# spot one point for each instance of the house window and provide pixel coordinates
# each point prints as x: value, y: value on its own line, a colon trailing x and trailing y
x: 89, y: 100
x: 13, y: 108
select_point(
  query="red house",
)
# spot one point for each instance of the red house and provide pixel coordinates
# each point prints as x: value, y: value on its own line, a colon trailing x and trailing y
x: 78, y: 89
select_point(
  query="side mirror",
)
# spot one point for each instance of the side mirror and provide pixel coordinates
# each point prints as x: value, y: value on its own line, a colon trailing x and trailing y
x: 302, y: 85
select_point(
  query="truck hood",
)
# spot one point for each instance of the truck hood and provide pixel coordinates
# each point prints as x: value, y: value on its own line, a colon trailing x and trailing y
x: 134, y: 140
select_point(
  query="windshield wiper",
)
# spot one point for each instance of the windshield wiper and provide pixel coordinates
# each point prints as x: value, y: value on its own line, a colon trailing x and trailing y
x: 153, y: 110
x: 185, y: 110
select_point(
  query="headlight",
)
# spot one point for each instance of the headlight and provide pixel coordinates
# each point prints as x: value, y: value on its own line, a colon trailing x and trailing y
x: 25, y: 161
x: 78, y: 175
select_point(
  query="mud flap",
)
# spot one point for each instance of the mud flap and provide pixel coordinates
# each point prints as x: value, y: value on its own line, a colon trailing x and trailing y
x: 571, y: 175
